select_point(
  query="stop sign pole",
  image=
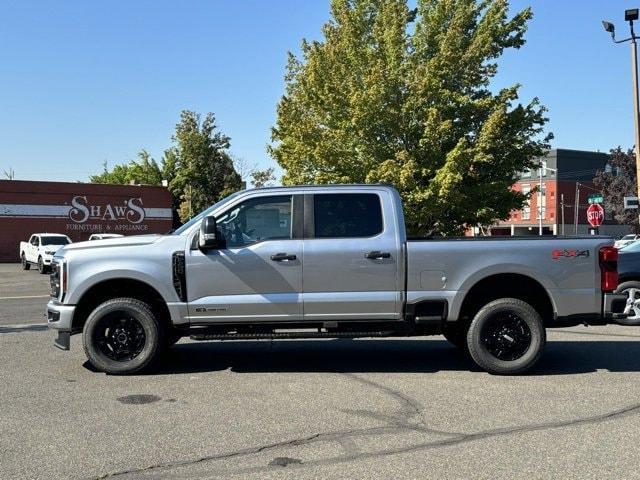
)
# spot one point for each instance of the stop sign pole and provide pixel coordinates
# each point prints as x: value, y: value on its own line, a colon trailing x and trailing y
x: 595, y: 215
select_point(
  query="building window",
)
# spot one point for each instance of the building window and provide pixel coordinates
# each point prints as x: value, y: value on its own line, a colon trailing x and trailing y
x: 526, y: 173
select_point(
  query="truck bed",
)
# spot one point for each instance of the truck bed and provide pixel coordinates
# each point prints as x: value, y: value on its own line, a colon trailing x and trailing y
x: 445, y: 269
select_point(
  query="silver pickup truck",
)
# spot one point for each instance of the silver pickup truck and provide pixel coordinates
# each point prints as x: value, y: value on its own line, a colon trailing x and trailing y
x: 325, y: 262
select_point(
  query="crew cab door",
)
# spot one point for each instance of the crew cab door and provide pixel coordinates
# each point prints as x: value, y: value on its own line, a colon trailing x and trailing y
x: 257, y: 274
x: 352, y: 257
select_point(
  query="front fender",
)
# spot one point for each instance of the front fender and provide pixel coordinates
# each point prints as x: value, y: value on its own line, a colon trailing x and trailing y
x: 82, y: 278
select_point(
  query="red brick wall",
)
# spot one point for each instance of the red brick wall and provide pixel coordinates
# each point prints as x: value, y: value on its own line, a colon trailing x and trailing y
x: 78, y: 210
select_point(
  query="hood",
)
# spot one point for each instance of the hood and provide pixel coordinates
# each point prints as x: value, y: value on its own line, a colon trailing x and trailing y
x: 51, y: 248
x: 129, y: 241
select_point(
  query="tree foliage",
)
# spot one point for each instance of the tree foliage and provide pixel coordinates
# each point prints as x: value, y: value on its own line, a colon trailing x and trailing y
x: 262, y: 178
x: 203, y: 166
x: 403, y: 97
x: 617, y: 182
x: 198, y: 168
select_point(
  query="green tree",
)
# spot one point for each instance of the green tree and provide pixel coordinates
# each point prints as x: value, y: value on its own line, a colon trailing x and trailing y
x: 262, y: 178
x: 197, y: 168
x: 144, y: 171
x: 403, y: 97
x: 203, y: 166
x: 617, y: 182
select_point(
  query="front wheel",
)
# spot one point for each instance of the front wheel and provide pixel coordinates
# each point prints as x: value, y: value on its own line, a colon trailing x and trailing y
x: 41, y: 267
x: 506, y: 337
x: 122, y: 336
x: 25, y: 265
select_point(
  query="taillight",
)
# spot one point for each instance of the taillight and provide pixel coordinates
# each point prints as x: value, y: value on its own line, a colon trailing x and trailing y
x: 608, y: 269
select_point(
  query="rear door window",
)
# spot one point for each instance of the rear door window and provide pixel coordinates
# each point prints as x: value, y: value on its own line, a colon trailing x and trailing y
x: 347, y: 215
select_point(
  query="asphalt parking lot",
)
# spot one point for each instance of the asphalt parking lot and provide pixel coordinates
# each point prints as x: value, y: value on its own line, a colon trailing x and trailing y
x: 410, y: 408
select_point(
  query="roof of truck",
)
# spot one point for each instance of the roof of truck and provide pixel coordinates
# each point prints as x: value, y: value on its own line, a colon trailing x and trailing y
x: 323, y: 186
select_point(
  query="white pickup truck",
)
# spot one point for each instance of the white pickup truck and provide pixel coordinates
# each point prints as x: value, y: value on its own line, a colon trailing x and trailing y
x: 40, y: 248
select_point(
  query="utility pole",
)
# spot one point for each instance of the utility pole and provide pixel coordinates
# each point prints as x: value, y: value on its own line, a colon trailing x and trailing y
x: 540, y: 200
x: 562, y: 211
x: 576, y: 207
x: 629, y: 16
x: 636, y: 112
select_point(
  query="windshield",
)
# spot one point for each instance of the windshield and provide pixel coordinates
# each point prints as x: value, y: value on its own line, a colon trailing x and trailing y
x: 205, y: 213
x: 55, y: 240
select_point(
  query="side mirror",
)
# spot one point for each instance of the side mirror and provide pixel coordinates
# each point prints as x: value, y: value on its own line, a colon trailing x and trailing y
x: 208, y: 237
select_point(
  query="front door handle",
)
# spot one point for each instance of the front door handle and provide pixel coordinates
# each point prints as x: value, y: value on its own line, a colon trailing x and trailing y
x: 281, y: 257
x: 376, y: 254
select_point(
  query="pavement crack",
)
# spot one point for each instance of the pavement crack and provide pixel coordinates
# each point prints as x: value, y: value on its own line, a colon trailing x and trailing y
x: 338, y: 436
x: 410, y: 408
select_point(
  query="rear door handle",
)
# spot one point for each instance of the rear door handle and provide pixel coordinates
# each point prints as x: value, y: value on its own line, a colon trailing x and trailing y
x: 376, y: 254
x: 281, y: 257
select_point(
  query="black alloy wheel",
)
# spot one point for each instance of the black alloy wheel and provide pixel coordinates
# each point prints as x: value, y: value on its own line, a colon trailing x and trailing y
x: 506, y: 336
x: 119, y: 336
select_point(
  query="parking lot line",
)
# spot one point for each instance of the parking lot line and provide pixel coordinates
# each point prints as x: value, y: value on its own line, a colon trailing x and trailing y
x: 24, y: 296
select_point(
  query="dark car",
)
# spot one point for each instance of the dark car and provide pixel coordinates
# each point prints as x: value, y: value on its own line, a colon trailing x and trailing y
x: 629, y: 278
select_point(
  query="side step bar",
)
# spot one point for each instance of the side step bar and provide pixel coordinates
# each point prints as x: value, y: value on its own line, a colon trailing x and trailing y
x: 284, y: 335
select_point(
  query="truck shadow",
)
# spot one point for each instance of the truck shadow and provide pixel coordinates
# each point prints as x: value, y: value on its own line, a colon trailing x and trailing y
x: 389, y: 355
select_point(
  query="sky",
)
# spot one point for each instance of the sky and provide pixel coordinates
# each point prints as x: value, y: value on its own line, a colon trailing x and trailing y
x: 85, y: 82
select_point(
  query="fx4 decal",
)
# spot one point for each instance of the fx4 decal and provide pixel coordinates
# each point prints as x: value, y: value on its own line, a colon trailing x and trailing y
x: 556, y: 254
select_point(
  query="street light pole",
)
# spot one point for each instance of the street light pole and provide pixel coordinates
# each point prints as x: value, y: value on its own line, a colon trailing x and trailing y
x: 630, y: 16
x: 540, y: 201
x: 636, y: 109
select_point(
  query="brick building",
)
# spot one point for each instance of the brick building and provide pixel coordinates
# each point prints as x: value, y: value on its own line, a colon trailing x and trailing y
x: 565, y: 174
x: 78, y: 210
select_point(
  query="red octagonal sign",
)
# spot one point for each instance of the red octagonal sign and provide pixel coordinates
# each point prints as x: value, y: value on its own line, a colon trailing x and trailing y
x: 595, y: 214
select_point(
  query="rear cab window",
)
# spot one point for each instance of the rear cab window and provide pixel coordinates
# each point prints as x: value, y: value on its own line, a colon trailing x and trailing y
x: 347, y: 215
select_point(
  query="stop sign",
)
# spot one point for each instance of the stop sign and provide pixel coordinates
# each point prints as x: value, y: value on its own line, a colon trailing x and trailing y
x: 595, y: 214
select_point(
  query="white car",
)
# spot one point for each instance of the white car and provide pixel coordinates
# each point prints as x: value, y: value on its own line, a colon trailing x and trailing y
x: 40, y: 248
x: 626, y: 240
x: 102, y: 236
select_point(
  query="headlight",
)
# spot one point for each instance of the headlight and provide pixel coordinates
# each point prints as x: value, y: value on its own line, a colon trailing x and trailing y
x: 59, y: 278
x: 49, y: 252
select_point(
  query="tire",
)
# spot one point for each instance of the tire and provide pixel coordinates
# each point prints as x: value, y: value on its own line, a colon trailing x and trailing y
x: 25, y: 265
x: 632, y: 290
x: 506, y: 337
x: 41, y: 268
x: 122, y: 336
x: 456, y: 335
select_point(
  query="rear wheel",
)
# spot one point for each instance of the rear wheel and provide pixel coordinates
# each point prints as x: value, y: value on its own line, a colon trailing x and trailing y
x: 506, y: 337
x: 25, y: 265
x: 122, y: 336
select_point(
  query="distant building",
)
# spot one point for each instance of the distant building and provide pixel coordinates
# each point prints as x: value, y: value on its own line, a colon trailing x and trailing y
x: 78, y: 210
x: 565, y: 174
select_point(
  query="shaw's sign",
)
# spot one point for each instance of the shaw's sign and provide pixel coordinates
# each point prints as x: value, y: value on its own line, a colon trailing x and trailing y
x: 130, y: 210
